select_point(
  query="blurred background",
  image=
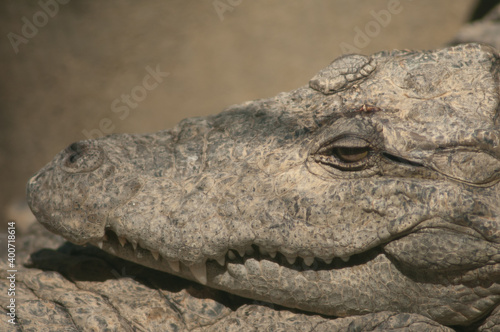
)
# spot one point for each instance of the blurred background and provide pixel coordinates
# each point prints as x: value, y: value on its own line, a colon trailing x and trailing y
x: 70, y: 70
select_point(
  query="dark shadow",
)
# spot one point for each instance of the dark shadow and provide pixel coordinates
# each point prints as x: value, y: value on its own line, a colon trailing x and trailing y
x: 482, y: 8
x: 77, y: 263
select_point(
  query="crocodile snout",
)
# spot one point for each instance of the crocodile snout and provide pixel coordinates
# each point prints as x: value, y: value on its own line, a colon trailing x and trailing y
x: 62, y: 197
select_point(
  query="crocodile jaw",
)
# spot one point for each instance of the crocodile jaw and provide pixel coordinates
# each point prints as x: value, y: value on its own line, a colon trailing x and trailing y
x: 337, y: 288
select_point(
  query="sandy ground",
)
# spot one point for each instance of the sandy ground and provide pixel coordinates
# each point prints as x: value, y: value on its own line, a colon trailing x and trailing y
x: 65, y: 68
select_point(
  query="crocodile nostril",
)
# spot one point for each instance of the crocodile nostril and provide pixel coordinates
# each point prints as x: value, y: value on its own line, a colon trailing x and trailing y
x: 82, y: 156
x: 75, y: 146
x: 73, y: 158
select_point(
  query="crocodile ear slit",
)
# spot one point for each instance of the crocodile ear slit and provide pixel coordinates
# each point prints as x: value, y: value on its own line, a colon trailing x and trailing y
x: 342, y: 73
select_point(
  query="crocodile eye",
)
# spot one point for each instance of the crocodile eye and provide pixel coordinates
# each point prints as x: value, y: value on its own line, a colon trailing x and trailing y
x: 346, y: 154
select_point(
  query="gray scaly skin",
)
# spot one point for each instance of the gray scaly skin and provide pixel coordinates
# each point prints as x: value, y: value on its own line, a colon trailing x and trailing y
x: 372, y: 190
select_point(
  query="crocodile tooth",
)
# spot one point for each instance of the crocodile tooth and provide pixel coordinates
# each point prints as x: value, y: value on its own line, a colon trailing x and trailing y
x: 134, y: 244
x: 99, y: 244
x: 250, y: 251
x: 241, y: 252
x: 328, y: 260
x: 221, y: 260
x: 345, y: 258
x: 199, y: 272
x: 122, y: 240
x: 263, y: 251
x: 309, y: 261
x: 174, y: 265
x: 155, y: 254
x: 231, y: 255
x: 291, y: 259
x: 272, y: 254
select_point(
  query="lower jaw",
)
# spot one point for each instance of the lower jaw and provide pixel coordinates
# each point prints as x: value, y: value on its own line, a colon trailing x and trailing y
x: 343, y: 291
x: 368, y: 283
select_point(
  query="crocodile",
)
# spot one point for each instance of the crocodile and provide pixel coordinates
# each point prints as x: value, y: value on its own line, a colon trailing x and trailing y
x: 369, y: 195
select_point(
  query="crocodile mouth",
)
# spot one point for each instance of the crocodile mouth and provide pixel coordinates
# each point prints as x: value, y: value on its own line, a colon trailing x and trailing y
x: 131, y: 250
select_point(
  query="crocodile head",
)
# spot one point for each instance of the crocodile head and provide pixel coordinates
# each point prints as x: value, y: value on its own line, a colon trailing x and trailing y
x: 375, y: 188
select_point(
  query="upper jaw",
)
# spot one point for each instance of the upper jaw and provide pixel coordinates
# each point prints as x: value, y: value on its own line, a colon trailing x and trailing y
x: 132, y: 250
x: 135, y: 248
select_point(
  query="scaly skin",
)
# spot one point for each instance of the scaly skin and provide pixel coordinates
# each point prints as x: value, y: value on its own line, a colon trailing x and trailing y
x: 375, y: 189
